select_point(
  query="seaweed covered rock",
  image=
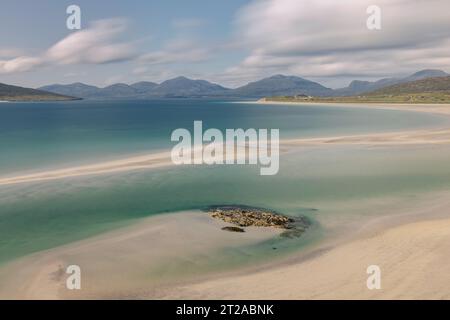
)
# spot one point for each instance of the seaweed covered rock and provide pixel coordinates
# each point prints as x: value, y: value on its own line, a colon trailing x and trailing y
x: 245, y: 216
x: 233, y: 229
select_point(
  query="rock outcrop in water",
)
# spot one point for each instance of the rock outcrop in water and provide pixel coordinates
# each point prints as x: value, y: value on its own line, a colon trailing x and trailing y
x: 245, y: 216
x: 233, y: 229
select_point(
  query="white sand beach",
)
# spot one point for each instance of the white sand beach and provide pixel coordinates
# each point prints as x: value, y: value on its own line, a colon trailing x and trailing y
x: 410, y: 247
x: 163, y: 159
x: 413, y: 258
x: 428, y: 108
x: 249, y: 150
x: 128, y: 262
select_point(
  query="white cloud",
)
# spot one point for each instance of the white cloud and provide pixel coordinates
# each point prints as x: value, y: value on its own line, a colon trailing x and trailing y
x: 328, y: 38
x: 19, y: 64
x: 93, y: 45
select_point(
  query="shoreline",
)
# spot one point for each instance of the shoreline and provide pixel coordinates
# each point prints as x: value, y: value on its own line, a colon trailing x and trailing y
x: 408, y: 246
x: 410, y: 249
x: 415, y: 242
x: 428, y: 108
x: 163, y: 159
x: 411, y: 268
x: 153, y: 160
x: 149, y: 251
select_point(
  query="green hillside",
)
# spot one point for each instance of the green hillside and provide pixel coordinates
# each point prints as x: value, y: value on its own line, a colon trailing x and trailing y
x: 15, y: 93
x: 439, y: 85
x: 430, y: 90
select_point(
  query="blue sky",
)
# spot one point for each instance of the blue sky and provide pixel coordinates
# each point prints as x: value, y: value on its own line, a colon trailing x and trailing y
x: 229, y: 42
x: 151, y: 25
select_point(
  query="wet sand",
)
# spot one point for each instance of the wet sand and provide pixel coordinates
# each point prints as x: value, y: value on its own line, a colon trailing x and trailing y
x: 428, y: 108
x: 130, y: 262
x: 413, y: 260
x: 163, y: 159
x: 411, y: 250
x: 164, y: 257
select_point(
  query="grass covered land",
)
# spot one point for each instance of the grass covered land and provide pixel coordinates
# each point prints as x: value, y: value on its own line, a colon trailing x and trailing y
x: 15, y: 93
x: 430, y: 90
x: 419, y: 98
x: 42, y: 97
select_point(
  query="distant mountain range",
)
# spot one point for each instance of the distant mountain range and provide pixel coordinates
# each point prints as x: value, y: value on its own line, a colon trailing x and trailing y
x: 425, y: 91
x: 182, y: 87
x: 15, y: 93
x: 280, y: 85
x: 428, y: 85
x: 358, y: 87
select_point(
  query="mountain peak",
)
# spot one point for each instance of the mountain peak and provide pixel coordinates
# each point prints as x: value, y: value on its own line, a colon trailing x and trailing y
x: 78, y: 84
x: 117, y: 85
x: 284, y: 77
x: 279, y: 84
x: 181, y: 78
x: 430, y: 73
x: 275, y: 85
x: 278, y: 76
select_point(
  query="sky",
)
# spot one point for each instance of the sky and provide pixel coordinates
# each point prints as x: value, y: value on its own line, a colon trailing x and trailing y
x: 227, y: 42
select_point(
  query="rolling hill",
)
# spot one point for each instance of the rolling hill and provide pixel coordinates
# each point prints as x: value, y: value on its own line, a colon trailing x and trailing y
x: 438, y: 85
x: 177, y: 87
x: 15, y: 93
x: 184, y: 87
x: 77, y: 89
x: 278, y: 85
x: 359, y: 87
x: 281, y: 85
x: 143, y: 86
x: 425, y: 91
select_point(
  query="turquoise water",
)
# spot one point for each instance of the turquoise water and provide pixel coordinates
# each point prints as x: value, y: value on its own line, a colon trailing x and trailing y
x: 35, y: 136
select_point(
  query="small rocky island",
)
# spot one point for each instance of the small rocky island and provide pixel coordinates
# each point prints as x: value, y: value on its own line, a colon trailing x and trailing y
x: 244, y: 216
